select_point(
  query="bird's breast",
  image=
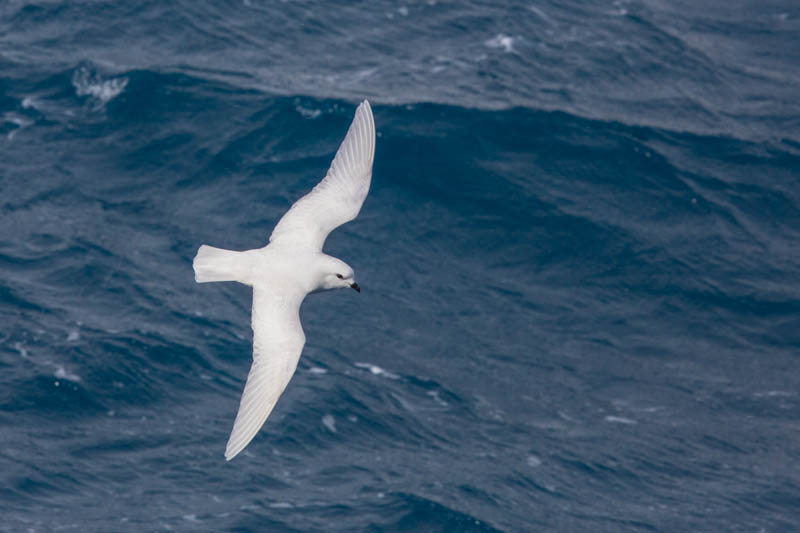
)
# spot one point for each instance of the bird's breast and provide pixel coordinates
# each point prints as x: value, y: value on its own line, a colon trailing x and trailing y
x: 285, y: 270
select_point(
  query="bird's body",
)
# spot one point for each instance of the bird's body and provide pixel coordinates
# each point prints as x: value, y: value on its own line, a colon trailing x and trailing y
x: 272, y: 265
x: 289, y: 268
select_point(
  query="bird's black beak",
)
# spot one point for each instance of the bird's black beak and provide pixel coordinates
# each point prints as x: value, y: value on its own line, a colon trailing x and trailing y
x: 356, y: 287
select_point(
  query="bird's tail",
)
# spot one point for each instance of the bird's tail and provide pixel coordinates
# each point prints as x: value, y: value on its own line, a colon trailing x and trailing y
x: 216, y: 264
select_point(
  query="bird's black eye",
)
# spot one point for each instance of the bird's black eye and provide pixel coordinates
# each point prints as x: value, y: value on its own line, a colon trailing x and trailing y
x: 339, y: 276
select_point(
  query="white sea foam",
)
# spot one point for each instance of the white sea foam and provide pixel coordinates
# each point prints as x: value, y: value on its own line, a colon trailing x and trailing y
x: 619, y: 420
x: 89, y: 83
x: 542, y: 15
x: 773, y: 394
x: 62, y: 373
x: 620, y: 10
x: 376, y: 370
x: 18, y: 120
x: 505, y: 42
x: 310, y: 114
x: 21, y: 349
x: 281, y: 505
x: 329, y: 422
x: 435, y: 395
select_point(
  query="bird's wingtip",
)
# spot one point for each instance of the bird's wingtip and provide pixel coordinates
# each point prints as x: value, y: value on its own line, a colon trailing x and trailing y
x: 231, y: 452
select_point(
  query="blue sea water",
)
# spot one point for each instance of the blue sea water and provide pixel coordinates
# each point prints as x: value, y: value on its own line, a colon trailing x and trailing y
x: 579, y: 259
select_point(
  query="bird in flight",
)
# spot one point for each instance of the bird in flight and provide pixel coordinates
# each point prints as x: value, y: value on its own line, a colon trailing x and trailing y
x: 288, y: 268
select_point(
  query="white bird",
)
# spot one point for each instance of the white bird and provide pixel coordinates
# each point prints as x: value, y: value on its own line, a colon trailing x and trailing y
x: 291, y: 266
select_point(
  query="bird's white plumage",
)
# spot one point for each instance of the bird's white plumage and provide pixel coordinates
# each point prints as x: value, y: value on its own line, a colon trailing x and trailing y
x: 286, y: 270
x: 278, y: 339
x: 337, y: 198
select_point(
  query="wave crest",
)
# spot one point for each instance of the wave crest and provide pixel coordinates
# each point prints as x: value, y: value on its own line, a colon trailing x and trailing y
x: 88, y: 82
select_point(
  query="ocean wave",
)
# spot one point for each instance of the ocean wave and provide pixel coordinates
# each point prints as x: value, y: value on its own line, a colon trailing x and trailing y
x: 640, y: 64
x: 88, y: 82
x: 578, y: 312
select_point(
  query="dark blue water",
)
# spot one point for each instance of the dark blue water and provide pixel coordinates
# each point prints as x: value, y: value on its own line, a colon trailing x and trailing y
x: 579, y: 259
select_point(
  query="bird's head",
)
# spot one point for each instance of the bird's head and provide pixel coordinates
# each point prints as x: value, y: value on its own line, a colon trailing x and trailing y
x: 337, y: 274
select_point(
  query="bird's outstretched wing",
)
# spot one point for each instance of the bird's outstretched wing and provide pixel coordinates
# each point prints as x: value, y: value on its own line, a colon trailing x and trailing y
x: 337, y: 198
x: 278, y: 340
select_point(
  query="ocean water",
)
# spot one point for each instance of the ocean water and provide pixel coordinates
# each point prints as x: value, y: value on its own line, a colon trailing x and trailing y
x: 579, y: 260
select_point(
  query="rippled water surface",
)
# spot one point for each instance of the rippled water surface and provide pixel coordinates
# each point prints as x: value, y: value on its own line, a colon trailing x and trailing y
x: 579, y: 260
